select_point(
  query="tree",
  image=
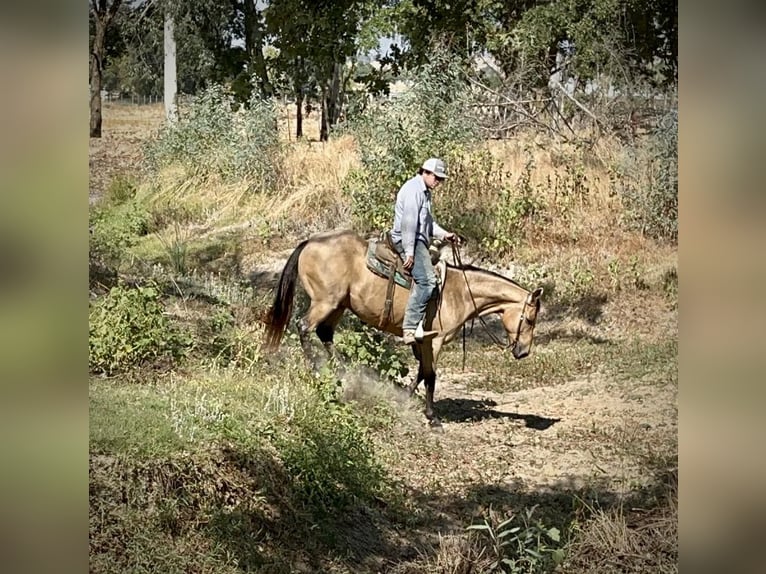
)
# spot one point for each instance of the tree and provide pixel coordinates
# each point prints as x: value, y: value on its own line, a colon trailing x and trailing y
x: 169, y: 75
x: 101, y: 14
x: 315, y: 39
x: 254, y: 35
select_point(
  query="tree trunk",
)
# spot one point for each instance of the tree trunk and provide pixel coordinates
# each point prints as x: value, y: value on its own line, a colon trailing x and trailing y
x: 96, y: 74
x: 102, y: 13
x: 324, y: 130
x: 170, y: 76
x: 332, y: 102
x: 298, y: 112
x: 254, y: 49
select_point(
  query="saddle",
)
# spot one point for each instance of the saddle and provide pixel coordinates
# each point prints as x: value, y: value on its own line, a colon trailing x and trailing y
x: 383, y: 260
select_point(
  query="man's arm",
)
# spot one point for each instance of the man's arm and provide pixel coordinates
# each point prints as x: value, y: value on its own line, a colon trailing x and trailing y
x: 412, y: 201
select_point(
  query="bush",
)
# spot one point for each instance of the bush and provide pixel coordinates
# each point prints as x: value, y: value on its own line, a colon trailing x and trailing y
x: 329, y: 454
x: 114, y: 228
x: 128, y: 328
x: 368, y: 346
x: 396, y: 136
x: 219, y: 137
x: 653, y: 208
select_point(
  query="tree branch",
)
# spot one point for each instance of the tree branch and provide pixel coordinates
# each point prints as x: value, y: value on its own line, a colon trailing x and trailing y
x: 578, y: 104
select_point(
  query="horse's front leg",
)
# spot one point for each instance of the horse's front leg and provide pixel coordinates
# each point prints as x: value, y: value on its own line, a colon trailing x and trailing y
x: 428, y: 370
x: 430, y: 384
x: 416, y: 381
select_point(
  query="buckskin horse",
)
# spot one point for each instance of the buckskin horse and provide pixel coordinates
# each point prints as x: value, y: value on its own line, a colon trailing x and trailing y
x: 333, y: 270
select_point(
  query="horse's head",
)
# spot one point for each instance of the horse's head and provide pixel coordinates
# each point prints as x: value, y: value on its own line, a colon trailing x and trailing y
x: 519, y: 323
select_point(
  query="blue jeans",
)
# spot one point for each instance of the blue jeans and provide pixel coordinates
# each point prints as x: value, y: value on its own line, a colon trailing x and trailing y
x: 423, y: 285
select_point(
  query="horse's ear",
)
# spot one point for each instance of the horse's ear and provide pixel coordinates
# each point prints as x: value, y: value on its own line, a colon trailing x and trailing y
x: 537, y: 293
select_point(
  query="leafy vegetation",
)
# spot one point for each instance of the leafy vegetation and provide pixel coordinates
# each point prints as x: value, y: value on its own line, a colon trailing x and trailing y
x: 394, y: 138
x: 128, y: 328
x: 218, y: 136
x: 517, y: 546
x: 653, y: 204
x: 225, y: 458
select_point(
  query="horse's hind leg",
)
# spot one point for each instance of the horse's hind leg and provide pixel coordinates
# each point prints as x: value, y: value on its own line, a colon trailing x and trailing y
x: 326, y: 331
x: 414, y: 384
x: 322, y: 317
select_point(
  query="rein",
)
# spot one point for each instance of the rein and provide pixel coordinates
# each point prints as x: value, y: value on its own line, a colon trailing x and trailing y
x: 458, y: 261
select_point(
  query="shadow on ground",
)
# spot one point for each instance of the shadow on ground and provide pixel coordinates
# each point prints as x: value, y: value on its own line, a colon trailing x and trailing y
x: 463, y: 410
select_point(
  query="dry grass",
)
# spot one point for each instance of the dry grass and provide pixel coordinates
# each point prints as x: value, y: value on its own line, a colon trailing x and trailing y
x: 583, y: 246
x: 629, y: 540
x: 125, y: 128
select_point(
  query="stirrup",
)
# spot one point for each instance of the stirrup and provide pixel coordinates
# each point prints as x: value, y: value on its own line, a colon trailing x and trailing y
x: 421, y: 335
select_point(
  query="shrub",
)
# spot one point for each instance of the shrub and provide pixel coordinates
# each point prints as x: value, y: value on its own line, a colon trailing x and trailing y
x: 653, y: 207
x: 114, y: 228
x: 120, y: 190
x: 396, y: 136
x: 328, y: 452
x: 368, y: 346
x: 128, y: 328
x: 219, y: 137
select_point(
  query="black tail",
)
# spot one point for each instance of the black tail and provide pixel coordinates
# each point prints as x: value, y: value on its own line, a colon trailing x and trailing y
x: 279, y: 315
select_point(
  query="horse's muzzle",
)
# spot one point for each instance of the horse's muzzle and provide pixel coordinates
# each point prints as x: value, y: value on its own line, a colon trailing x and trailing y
x: 519, y: 353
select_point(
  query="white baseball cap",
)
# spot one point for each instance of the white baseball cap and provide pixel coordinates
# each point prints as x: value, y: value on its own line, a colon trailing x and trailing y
x: 435, y: 166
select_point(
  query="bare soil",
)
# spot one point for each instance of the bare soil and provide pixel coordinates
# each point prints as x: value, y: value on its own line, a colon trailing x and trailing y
x: 599, y: 436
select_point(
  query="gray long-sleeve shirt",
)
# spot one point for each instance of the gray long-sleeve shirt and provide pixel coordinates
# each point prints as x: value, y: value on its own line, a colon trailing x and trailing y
x: 413, y: 220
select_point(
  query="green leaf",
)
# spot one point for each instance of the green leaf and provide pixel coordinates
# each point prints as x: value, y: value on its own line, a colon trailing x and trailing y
x: 534, y: 553
x: 510, y: 531
x: 554, y: 534
x: 557, y: 556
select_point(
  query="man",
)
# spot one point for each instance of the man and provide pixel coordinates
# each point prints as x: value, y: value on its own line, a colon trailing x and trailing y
x: 414, y: 227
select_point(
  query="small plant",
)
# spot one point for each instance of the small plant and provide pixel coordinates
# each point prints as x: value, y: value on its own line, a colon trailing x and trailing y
x: 128, y: 328
x: 176, y: 248
x: 670, y: 286
x: 368, y: 346
x: 114, y: 228
x: 578, y: 281
x: 120, y: 190
x: 527, y: 547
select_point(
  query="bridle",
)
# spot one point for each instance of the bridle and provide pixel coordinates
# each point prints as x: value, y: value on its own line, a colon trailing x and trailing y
x: 522, y: 316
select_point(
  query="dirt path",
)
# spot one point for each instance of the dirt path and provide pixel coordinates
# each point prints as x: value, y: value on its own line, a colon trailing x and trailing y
x: 568, y: 434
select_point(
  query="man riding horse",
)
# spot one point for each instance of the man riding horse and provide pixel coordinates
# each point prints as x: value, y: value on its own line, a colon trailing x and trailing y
x: 413, y: 229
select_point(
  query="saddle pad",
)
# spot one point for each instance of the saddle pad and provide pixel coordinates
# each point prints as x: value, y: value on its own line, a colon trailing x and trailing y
x: 383, y: 269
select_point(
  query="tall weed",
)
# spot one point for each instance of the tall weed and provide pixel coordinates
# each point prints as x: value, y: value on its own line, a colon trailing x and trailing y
x: 217, y: 136
x: 652, y: 205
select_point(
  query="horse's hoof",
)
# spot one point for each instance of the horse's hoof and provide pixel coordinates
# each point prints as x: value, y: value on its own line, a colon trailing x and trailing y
x: 435, y: 425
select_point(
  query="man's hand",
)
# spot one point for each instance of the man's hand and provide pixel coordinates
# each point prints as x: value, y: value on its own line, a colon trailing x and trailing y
x: 453, y: 238
x: 408, y: 263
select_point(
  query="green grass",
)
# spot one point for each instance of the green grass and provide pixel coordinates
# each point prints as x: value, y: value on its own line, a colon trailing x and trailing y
x: 560, y: 361
x: 221, y: 471
x: 131, y: 420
